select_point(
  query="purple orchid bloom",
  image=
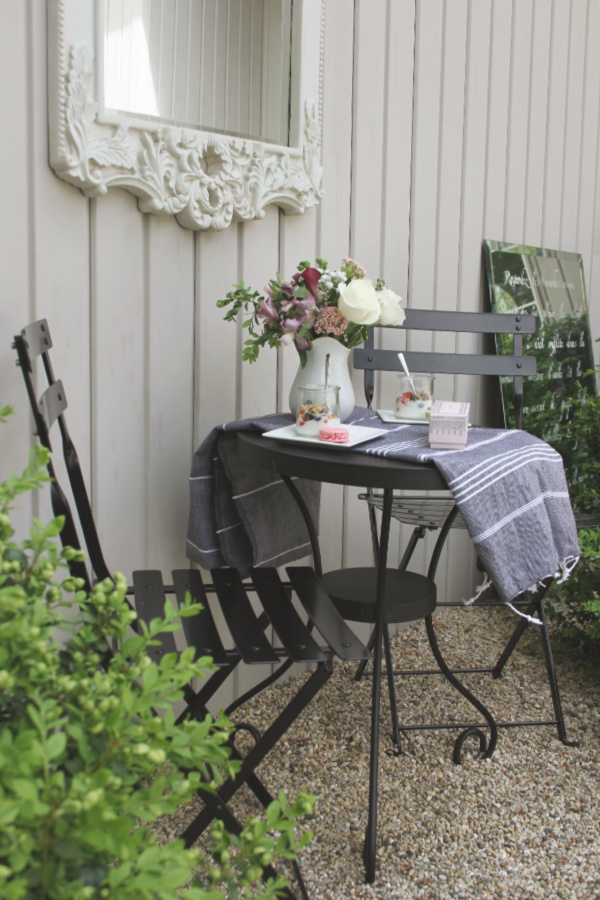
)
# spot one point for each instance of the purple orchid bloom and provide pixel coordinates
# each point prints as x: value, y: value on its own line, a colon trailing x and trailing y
x: 288, y: 288
x: 308, y: 304
x: 289, y: 328
x: 308, y: 309
x: 267, y: 310
x: 302, y: 343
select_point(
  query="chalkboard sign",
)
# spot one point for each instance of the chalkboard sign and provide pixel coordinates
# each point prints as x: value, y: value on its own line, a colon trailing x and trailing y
x: 549, y: 284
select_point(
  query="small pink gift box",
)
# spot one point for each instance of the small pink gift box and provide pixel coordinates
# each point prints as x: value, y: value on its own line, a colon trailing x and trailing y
x: 448, y: 425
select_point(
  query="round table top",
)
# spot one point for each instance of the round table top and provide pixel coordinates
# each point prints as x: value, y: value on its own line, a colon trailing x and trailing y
x: 337, y: 465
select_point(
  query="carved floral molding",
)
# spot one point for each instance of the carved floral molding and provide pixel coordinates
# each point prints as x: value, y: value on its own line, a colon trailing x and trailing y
x: 205, y: 180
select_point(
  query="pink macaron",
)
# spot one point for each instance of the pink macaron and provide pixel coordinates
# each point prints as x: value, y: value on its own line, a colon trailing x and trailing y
x: 334, y: 435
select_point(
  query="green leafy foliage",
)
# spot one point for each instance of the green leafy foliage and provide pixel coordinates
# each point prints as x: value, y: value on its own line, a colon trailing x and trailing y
x: 90, y: 753
x: 574, y: 606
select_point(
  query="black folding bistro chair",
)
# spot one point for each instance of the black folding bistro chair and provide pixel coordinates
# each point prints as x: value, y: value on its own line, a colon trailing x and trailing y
x: 244, y: 637
x: 349, y: 589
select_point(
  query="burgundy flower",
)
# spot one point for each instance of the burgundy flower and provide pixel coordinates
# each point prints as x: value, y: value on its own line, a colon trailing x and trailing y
x: 310, y: 278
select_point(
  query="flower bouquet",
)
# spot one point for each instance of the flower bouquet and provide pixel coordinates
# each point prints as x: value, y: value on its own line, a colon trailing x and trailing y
x: 317, y: 302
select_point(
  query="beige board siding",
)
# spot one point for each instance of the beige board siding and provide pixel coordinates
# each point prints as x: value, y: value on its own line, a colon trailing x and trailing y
x: 16, y: 248
x: 444, y: 123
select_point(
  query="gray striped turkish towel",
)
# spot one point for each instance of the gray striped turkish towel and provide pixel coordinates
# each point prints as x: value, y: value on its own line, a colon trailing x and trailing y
x: 511, y: 490
x: 231, y: 517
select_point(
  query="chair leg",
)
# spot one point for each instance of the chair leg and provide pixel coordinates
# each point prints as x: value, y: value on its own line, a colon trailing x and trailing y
x: 389, y: 665
x: 374, y: 530
x: 234, y: 826
x: 536, y: 607
x: 552, y: 679
x: 418, y: 533
x: 416, y: 536
x: 520, y: 629
x: 264, y: 744
x: 360, y: 669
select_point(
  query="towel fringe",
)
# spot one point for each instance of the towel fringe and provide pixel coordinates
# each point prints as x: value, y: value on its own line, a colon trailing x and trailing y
x: 531, y: 619
x: 485, y: 584
x: 566, y: 567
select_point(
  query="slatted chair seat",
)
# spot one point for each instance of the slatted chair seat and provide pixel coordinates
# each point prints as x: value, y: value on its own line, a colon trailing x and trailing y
x: 418, y: 510
x: 310, y: 631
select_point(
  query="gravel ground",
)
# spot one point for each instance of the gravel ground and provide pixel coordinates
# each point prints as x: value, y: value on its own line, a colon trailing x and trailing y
x: 522, y: 825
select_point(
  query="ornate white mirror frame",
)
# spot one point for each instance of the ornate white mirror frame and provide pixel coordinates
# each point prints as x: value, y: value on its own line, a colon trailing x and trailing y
x: 205, y: 179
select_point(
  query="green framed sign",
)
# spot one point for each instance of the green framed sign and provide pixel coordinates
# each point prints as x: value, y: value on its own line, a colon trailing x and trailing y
x: 551, y: 285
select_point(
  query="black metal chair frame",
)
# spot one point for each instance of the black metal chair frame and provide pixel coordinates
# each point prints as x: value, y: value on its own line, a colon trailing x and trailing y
x: 433, y: 513
x: 296, y: 641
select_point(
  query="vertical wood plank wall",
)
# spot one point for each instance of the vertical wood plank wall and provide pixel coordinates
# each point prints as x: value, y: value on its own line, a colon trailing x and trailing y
x: 445, y: 122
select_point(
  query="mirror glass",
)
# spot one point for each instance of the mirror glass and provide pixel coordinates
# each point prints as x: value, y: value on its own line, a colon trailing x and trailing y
x: 218, y: 65
x: 550, y: 285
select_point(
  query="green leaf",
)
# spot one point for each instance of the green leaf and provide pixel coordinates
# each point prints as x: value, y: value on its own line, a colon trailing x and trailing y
x: 54, y: 527
x: 24, y: 788
x: 55, y: 744
x: 36, y: 718
x: 273, y: 812
x: 9, y: 810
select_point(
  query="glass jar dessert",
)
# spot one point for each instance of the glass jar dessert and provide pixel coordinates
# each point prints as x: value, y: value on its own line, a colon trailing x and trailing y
x: 318, y: 406
x: 414, y: 397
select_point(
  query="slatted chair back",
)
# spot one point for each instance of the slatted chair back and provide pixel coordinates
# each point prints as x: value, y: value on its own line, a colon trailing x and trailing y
x: 32, y: 343
x: 516, y: 365
x: 309, y: 632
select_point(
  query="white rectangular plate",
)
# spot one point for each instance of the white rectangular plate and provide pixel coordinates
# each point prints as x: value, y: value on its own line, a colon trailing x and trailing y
x: 387, y: 415
x: 359, y: 434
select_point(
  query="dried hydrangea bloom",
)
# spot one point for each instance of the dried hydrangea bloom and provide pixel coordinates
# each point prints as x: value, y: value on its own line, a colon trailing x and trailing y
x: 330, y: 321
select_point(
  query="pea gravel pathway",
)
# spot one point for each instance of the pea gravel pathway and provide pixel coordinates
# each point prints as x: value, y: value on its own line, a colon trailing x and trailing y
x: 523, y: 825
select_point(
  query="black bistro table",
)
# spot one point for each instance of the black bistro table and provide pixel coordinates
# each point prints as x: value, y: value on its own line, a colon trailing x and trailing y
x: 345, y: 467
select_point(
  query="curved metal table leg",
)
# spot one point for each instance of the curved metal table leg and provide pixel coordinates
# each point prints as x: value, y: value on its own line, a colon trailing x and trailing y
x: 486, y: 747
x: 310, y: 525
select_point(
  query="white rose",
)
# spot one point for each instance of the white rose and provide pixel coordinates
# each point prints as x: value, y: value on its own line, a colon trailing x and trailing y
x: 391, y: 309
x: 358, y: 302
